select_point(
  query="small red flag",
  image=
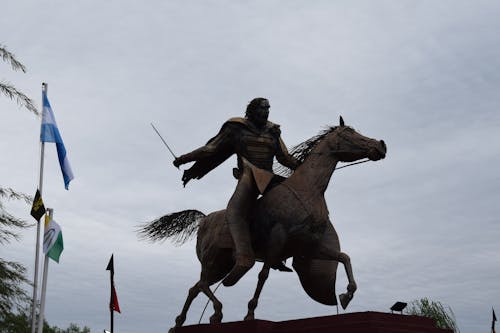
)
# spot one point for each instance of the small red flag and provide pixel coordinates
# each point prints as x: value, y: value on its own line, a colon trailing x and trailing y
x: 113, y: 303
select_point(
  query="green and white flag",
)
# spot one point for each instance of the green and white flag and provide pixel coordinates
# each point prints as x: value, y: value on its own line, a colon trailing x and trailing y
x: 52, y: 239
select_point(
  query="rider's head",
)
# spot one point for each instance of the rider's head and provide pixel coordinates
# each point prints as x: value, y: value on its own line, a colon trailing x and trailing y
x: 258, y: 111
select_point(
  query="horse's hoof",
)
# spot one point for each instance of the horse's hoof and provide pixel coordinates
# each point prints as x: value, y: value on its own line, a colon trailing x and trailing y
x: 249, y: 317
x: 345, y: 299
x: 215, y: 318
x: 179, y: 321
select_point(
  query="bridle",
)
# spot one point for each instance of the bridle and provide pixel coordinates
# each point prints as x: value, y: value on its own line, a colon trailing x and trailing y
x: 339, y: 133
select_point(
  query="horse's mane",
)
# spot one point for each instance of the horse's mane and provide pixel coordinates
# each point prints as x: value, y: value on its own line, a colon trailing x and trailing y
x: 302, y: 150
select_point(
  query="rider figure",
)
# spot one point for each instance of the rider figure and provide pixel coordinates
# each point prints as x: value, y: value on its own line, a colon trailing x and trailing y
x: 255, y: 141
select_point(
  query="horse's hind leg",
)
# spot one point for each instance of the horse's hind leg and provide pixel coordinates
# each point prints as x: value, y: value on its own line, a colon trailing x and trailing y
x: 252, y: 304
x: 275, y: 247
x: 193, y: 292
x: 217, y: 316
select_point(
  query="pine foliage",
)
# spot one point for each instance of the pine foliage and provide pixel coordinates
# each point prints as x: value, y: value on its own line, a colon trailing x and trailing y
x: 12, y: 274
x: 442, y: 314
x: 12, y: 295
x: 8, y: 89
x: 7, y: 220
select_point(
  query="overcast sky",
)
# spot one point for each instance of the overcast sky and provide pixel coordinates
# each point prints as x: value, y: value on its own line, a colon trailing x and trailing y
x: 424, y: 76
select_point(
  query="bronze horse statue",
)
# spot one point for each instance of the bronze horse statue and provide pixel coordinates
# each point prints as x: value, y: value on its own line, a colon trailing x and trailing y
x: 289, y: 220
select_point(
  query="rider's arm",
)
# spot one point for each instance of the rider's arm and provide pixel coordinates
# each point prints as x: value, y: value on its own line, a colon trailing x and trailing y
x: 285, y: 158
x: 221, y: 141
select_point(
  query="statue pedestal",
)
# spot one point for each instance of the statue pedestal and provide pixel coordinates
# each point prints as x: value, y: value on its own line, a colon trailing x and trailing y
x: 359, y: 322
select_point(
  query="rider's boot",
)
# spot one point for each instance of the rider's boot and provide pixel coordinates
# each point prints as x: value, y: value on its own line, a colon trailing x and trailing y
x: 243, y: 265
x: 281, y: 266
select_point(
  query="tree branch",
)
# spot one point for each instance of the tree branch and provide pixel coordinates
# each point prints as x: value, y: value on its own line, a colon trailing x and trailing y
x: 9, y: 57
x: 23, y: 100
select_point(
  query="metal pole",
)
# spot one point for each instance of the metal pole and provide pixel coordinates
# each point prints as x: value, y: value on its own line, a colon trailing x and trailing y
x: 37, y: 249
x: 111, y: 278
x: 112, y: 317
x: 44, y: 283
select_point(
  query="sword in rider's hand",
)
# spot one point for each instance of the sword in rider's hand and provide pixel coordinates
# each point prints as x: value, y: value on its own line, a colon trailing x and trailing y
x: 164, y: 142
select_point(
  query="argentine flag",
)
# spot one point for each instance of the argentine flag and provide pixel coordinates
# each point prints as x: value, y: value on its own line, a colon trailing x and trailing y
x: 50, y: 133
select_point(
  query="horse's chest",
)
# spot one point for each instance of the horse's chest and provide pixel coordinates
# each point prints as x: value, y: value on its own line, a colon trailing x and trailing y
x: 310, y: 230
x: 303, y: 221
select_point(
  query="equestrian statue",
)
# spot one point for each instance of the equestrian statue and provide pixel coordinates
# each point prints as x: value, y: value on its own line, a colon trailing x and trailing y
x: 269, y: 218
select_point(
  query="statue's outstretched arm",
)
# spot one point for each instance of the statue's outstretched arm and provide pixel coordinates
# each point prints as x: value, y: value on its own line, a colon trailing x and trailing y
x: 219, y: 142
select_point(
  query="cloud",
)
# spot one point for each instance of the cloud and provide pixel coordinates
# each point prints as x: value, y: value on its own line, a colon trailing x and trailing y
x: 423, y: 76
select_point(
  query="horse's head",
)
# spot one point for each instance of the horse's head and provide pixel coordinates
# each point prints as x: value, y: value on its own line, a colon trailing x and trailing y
x: 347, y: 145
x: 342, y: 143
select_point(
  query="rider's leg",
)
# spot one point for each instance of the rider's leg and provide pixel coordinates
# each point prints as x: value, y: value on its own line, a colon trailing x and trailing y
x: 237, y: 211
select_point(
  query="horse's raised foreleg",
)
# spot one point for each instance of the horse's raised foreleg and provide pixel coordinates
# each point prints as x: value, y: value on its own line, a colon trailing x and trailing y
x: 217, y: 316
x: 252, y: 304
x: 351, y: 287
x: 193, y: 292
x: 329, y: 249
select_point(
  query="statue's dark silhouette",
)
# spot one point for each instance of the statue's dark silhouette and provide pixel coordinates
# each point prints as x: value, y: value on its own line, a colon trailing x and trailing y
x: 290, y: 220
x: 256, y: 141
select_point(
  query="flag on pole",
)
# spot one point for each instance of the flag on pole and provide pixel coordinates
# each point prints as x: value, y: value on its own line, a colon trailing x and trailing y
x: 50, y: 133
x: 52, y: 239
x: 493, y: 321
x: 113, y: 301
x: 38, y: 208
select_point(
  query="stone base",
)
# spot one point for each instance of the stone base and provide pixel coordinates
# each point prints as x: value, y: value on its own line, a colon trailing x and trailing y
x: 359, y: 322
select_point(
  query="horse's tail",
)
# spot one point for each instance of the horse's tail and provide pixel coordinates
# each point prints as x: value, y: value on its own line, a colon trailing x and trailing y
x: 180, y: 227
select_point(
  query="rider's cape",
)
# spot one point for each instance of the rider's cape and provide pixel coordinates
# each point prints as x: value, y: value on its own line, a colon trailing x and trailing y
x: 222, y: 152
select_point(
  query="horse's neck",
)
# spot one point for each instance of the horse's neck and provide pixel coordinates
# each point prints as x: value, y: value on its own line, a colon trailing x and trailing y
x: 314, y: 173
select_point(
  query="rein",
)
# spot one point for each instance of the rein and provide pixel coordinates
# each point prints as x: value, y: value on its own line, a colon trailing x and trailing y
x: 337, y: 151
x: 351, y: 164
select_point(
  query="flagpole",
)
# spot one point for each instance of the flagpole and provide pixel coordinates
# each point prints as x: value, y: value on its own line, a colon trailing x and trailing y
x: 37, y: 249
x: 44, y: 283
x: 112, y: 319
x: 50, y: 213
x: 113, y: 301
x: 112, y: 316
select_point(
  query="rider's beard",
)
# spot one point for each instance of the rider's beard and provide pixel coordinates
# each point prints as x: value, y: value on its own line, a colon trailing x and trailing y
x: 259, y: 119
